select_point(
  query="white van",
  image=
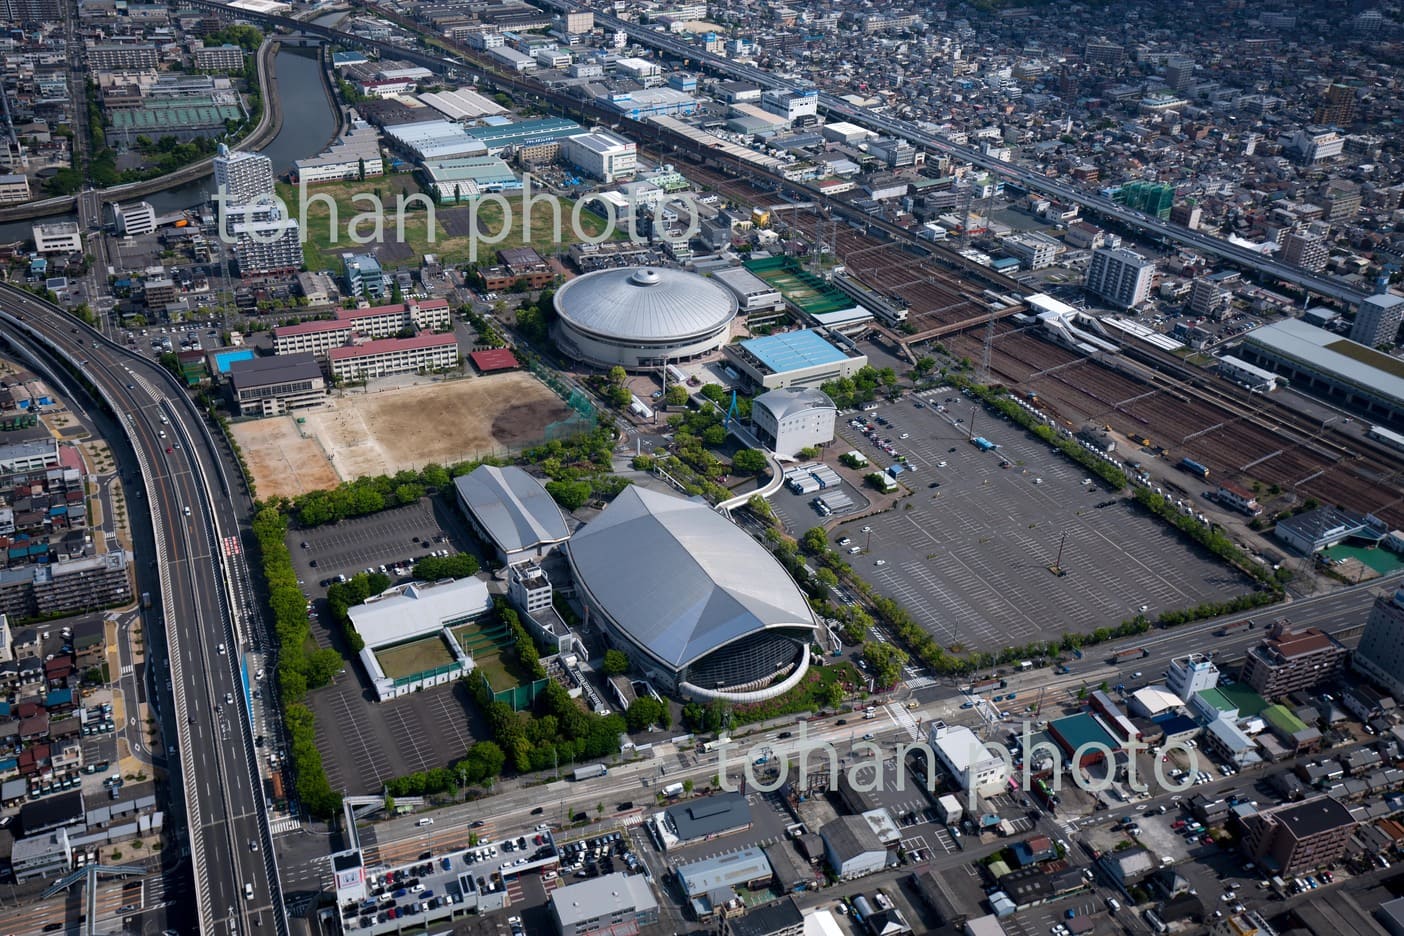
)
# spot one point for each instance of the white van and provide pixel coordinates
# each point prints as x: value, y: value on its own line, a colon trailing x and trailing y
x: 427, y: 820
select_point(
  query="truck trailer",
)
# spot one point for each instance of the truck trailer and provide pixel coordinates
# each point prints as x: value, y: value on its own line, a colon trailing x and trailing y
x: 590, y: 770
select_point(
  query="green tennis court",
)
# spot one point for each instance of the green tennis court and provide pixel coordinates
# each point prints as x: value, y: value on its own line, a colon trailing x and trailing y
x: 802, y: 289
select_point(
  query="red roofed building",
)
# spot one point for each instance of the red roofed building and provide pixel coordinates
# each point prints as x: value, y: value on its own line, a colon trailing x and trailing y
x: 385, y: 321
x: 494, y: 360
x: 1239, y: 498
x: 34, y: 759
x: 394, y: 356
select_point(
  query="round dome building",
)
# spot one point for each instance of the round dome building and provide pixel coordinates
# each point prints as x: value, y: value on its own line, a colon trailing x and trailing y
x: 638, y: 317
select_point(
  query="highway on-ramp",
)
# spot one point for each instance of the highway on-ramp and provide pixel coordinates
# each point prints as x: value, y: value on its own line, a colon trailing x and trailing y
x: 213, y: 762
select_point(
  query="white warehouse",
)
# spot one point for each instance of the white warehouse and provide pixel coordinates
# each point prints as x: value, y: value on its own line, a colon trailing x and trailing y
x: 604, y: 155
x: 793, y: 418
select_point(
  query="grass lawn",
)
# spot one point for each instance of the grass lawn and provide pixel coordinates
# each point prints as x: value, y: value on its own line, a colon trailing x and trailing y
x: 414, y: 657
x: 453, y: 235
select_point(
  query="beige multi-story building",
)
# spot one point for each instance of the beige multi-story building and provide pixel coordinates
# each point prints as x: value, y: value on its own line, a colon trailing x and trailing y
x: 1290, y: 660
x: 385, y: 356
x: 1306, y: 250
x: 221, y: 58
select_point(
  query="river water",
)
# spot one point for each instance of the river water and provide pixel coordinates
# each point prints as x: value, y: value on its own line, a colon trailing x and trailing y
x: 309, y: 123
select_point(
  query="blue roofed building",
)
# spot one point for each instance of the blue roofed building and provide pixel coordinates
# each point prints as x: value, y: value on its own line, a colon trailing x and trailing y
x: 804, y: 358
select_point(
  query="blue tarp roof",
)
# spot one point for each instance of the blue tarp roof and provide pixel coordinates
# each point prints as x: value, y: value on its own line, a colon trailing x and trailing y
x: 793, y: 350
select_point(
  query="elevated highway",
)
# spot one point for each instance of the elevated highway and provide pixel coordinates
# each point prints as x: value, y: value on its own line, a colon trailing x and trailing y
x: 214, y: 769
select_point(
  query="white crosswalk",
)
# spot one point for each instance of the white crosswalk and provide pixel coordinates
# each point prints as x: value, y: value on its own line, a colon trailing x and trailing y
x: 285, y: 825
x: 128, y: 669
x: 903, y: 719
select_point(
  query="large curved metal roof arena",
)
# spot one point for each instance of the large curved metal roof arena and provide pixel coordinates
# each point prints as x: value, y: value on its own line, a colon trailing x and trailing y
x: 642, y: 304
x: 681, y: 579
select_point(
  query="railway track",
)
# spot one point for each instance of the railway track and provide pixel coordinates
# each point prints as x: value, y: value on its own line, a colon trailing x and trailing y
x: 1238, y: 443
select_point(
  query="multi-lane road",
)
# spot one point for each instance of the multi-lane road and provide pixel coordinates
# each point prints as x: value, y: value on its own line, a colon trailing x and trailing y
x: 515, y: 810
x: 211, y: 753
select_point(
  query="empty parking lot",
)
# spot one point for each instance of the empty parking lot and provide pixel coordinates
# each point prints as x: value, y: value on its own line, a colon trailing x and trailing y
x: 968, y: 553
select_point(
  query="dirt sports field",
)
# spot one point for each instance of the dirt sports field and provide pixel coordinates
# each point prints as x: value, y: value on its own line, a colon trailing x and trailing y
x: 385, y: 431
x: 284, y: 464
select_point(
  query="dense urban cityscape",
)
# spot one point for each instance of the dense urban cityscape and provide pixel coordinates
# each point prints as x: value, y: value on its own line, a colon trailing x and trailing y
x: 807, y: 469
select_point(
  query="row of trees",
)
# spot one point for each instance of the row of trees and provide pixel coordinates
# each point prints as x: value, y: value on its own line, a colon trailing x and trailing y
x: 998, y: 400
x: 301, y: 665
x: 1212, y: 539
x: 524, y: 647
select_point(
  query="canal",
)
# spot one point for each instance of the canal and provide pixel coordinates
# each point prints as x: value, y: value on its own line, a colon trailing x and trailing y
x: 310, y: 121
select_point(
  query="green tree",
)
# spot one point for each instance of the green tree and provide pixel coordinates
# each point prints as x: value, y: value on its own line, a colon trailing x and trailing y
x: 617, y: 375
x: 676, y: 395
x: 572, y: 495
x: 750, y: 461
x: 646, y: 711
x: 616, y: 662
x: 885, y: 662
x: 831, y: 696
x: 814, y: 541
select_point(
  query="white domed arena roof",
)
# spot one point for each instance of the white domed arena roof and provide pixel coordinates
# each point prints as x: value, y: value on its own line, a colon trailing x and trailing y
x: 645, y: 304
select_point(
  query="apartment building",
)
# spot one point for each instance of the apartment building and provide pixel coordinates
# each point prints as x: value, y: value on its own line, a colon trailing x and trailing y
x: 1377, y: 320
x: 1305, y: 250
x: 1380, y: 655
x: 222, y: 58
x: 1298, y: 837
x: 65, y: 587
x: 1120, y: 276
x: 122, y: 56
x: 1290, y: 660
x: 385, y: 356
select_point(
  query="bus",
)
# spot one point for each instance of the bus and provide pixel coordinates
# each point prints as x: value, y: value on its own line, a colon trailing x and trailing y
x: 709, y: 746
